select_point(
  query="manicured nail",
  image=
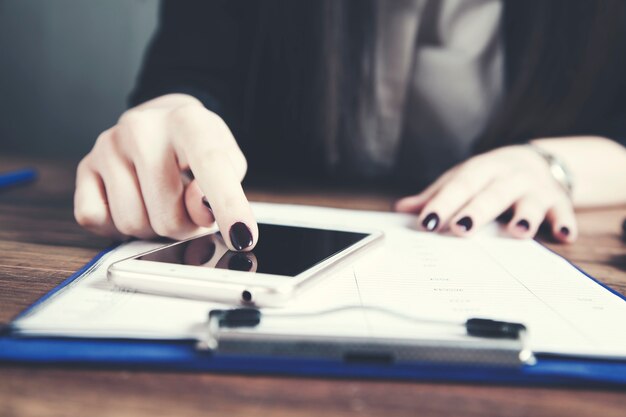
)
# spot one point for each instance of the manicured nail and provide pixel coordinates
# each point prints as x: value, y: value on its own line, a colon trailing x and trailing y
x: 564, y: 231
x: 523, y: 224
x: 206, y: 203
x: 465, y: 223
x: 240, y: 262
x: 505, y: 217
x: 431, y: 222
x: 240, y: 236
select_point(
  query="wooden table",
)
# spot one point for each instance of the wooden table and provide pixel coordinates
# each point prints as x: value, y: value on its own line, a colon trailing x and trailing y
x: 40, y: 245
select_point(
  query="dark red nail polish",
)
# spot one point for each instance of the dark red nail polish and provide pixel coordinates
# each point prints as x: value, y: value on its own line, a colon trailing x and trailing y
x: 206, y: 203
x: 505, y: 217
x: 431, y: 222
x: 240, y: 236
x: 240, y: 262
x: 465, y: 223
x: 564, y: 231
x: 523, y: 224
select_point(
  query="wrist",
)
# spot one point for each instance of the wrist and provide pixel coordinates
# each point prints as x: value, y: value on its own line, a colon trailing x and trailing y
x: 557, y: 168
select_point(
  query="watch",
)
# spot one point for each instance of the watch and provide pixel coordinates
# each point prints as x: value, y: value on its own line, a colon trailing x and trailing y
x: 557, y: 168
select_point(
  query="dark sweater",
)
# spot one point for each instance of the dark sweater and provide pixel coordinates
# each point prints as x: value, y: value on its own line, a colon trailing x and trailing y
x: 565, y: 72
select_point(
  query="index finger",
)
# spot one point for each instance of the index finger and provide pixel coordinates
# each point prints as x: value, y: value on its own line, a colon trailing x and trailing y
x: 211, y: 151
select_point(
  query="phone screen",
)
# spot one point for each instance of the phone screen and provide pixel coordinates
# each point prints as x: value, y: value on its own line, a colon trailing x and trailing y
x: 281, y: 250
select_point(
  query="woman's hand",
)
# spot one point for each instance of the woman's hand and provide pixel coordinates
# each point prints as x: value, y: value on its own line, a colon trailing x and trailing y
x: 478, y: 190
x: 131, y: 183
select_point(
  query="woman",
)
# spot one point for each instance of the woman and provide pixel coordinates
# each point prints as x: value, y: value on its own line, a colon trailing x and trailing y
x: 497, y: 104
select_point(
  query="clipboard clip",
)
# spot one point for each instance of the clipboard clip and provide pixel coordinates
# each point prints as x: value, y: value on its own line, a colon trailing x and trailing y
x: 490, y: 342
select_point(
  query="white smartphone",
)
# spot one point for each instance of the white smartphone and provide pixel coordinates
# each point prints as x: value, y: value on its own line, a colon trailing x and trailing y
x: 286, y: 259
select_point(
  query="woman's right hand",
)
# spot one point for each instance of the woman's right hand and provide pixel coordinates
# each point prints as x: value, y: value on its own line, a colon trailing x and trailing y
x: 132, y: 183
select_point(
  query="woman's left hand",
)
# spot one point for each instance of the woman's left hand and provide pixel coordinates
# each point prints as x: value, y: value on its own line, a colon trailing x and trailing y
x: 477, y: 191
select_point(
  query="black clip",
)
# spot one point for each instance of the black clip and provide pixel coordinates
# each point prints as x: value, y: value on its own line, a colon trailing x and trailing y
x: 494, y: 329
x: 237, y: 317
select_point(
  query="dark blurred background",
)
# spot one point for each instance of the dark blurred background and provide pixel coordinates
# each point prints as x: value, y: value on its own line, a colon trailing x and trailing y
x: 66, y: 68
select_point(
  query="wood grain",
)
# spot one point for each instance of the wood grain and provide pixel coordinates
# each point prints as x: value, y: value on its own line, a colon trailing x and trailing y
x: 40, y: 245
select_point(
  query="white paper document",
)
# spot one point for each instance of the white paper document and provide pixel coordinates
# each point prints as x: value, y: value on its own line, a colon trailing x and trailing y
x: 416, y: 273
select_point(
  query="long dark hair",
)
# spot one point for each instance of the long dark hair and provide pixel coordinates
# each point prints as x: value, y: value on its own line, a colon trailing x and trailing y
x: 565, y: 76
x: 312, y: 69
x: 312, y: 73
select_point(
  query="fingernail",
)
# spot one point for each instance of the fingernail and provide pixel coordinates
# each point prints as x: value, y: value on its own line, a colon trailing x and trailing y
x: 465, y: 223
x: 505, y: 217
x: 523, y: 224
x: 564, y: 231
x: 431, y: 222
x: 240, y: 236
x: 240, y: 262
x: 206, y: 203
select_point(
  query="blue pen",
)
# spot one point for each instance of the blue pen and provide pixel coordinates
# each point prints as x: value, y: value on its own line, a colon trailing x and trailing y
x: 20, y: 176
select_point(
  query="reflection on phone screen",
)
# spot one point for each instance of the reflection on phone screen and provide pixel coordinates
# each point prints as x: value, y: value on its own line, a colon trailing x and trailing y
x: 281, y: 250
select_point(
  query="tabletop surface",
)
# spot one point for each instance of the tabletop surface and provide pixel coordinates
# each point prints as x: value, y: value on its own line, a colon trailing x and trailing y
x: 40, y: 245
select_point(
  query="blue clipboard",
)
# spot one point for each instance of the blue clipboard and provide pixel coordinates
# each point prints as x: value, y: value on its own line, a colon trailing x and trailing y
x: 182, y: 355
